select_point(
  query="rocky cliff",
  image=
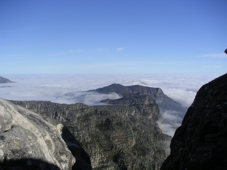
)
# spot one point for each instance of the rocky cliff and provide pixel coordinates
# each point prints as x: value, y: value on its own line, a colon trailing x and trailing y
x: 201, y: 142
x: 27, y: 141
x: 168, y: 107
x: 120, y: 135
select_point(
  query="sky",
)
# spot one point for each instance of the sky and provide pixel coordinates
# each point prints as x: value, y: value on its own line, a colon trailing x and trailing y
x: 113, y: 37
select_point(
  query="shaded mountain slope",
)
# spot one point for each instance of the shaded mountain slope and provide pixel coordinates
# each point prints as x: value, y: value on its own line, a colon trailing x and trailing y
x: 201, y: 141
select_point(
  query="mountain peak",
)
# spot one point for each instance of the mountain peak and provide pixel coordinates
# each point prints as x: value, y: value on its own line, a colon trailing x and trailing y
x: 129, y: 90
x: 4, y: 80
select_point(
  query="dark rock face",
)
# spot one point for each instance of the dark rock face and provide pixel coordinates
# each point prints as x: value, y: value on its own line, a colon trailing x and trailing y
x: 121, y: 135
x: 201, y: 142
x: 82, y: 158
x: 4, y: 80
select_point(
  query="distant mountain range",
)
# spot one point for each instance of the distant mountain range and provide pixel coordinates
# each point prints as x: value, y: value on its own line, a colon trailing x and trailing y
x: 4, y: 80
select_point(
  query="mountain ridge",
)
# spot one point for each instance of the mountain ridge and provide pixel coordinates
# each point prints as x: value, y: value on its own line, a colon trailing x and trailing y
x: 5, y: 80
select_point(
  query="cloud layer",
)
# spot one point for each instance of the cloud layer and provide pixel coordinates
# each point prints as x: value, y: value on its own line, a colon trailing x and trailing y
x: 52, y: 87
x: 71, y: 89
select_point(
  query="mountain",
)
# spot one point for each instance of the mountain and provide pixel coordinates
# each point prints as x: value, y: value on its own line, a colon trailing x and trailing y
x: 27, y: 140
x: 169, y: 109
x: 164, y: 102
x: 122, y: 134
x: 201, y: 141
x: 4, y: 80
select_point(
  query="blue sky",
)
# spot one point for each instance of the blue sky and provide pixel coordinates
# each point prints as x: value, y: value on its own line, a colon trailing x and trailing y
x: 113, y: 36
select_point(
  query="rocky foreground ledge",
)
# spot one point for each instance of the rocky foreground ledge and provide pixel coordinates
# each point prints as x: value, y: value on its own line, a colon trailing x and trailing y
x: 26, y: 140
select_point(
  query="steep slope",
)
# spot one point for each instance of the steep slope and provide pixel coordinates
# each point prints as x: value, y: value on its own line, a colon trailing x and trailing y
x: 201, y: 142
x: 26, y: 138
x: 4, y: 80
x: 171, y: 111
x: 121, y: 135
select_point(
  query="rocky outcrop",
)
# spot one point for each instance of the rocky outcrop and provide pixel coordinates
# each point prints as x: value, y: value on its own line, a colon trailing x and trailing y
x: 128, y: 90
x: 120, y: 135
x: 200, y: 143
x: 4, y: 80
x: 27, y: 140
x: 169, y: 108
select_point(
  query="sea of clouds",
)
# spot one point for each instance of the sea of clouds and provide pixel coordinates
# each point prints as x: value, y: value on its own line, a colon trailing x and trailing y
x: 71, y: 89
x: 56, y: 88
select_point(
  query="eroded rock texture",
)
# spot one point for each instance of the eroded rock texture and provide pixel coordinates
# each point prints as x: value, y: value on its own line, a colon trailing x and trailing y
x: 201, y: 142
x: 27, y: 139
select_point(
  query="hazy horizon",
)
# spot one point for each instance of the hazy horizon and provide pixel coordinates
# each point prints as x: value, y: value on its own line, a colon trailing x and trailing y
x: 54, y: 87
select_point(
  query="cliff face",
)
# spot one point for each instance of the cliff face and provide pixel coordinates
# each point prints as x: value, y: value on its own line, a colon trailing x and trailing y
x: 164, y: 102
x: 167, y: 106
x: 26, y: 140
x: 201, y: 141
x: 121, y: 135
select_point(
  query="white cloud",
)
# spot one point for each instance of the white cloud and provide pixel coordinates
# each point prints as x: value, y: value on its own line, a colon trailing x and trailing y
x: 56, y: 88
x: 215, y: 55
x: 68, y: 52
x: 89, y: 98
x: 180, y: 88
x: 169, y: 121
x: 120, y: 49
